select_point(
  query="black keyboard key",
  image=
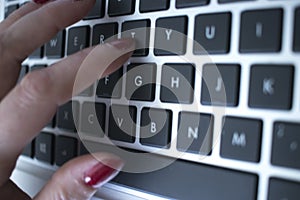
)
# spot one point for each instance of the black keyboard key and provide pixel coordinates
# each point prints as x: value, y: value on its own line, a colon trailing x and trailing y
x: 190, y: 3
x: 138, y: 30
x: 93, y: 119
x: 280, y: 189
x: 261, y: 31
x: 271, y: 86
x: 38, y: 53
x: 65, y: 149
x: 111, y: 85
x: 88, y: 91
x: 195, y: 133
x: 55, y: 47
x: 28, y: 150
x: 82, y: 149
x: 10, y: 9
x: 140, y: 82
x: 44, y: 143
x: 170, y: 36
x: 120, y: 7
x: 67, y: 116
x: 160, y: 175
x: 187, y: 180
x: 212, y: 33
x: 220, y: 84
x: 102, y: 32
x: 154, y: 5
x: 97, y: 11
x: 122, y: 120
x: 177, y: 83
x: 78, y: 39
x: 241, y: 139
x: 156, y: 126
x: 296, y: 44
x: 286, y: 145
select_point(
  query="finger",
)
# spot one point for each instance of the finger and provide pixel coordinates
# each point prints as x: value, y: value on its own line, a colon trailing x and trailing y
x: 31, y: 105
x: 12, y: 191
x: 18, y: 14
x: 9, y: 75
x: 29, y: 28
x: 38, y: 27
x: 80, y: 177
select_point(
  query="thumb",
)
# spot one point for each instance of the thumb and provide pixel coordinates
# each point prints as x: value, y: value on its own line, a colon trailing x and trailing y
x: 81, y: 177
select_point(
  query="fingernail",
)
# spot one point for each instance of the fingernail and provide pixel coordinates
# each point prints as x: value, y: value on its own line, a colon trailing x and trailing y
x: 123, y: 43
x: 40, y: 1
x: 101, y: 173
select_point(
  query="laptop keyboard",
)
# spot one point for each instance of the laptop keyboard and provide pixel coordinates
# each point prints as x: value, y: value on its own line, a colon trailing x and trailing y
x: 230, y: 107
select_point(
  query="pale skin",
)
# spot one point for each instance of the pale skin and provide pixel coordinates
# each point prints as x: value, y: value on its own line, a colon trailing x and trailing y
x: 41, y: 92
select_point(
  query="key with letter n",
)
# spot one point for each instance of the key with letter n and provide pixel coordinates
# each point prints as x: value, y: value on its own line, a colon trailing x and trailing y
x: 195, y: 133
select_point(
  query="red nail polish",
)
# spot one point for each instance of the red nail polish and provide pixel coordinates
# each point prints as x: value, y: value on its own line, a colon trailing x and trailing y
x: 40, y: 1
x: 101, y: 173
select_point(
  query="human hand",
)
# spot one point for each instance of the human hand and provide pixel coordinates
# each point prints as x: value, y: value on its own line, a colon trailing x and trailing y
x: 28, y: 107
